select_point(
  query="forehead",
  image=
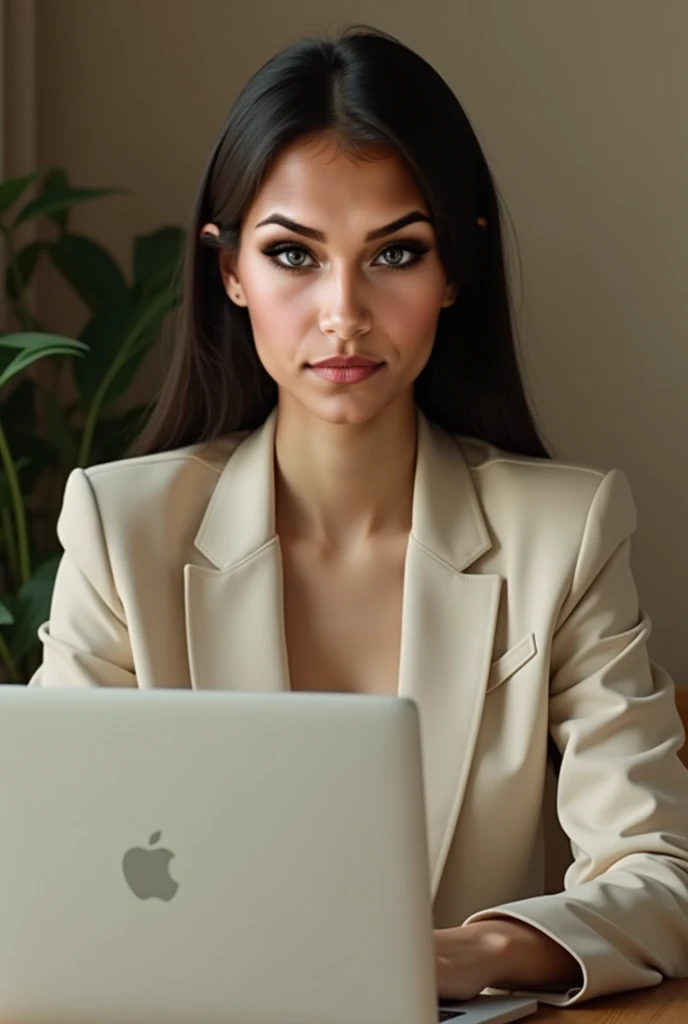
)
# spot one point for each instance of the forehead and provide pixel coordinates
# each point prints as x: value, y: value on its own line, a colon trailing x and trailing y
x: 315, y: 179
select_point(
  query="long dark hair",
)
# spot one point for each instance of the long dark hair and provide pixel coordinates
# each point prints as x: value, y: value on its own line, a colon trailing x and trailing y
x: 366, y: 89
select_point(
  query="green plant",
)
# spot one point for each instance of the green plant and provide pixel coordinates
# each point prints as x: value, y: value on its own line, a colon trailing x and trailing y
x: 59, y: 396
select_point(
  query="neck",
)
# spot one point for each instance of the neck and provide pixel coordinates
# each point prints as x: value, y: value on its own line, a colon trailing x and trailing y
x: 340, y: 485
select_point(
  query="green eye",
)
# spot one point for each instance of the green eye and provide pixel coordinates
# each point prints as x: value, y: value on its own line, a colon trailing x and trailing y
x: 416, y: 249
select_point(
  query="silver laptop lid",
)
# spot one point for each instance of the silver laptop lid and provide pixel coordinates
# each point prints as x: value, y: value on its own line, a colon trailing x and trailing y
x: 213, y: 857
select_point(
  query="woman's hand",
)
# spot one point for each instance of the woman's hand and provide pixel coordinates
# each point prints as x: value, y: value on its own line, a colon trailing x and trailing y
x: 467, y: 959
x: 500, y: 953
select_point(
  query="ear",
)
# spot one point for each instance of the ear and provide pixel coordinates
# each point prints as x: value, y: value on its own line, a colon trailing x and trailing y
x: 228, y: 269
x: 450, y: 295
x: 230, y: 277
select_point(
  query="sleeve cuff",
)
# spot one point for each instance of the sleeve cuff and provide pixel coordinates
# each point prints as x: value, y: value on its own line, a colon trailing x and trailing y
x: 561, y: 998
x: 608, y: 965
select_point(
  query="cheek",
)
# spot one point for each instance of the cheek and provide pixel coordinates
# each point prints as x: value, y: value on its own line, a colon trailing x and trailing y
x: 418, y: 315
x: 278, y: 312
x: 409, y: 305
x: 411, y: 323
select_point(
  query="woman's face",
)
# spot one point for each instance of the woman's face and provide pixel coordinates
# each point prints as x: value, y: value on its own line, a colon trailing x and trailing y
x: 354, y: 290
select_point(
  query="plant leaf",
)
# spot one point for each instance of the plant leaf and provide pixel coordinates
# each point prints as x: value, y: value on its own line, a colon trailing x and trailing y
x: 107, y: 332
x: 58, y: 179
x: 147, y: 328
x: 58, y: 199
x: 27, y: 258
x: 5, y: 496
x: 33, y: 606
x: 59, y: 432
x: 25, y: 359
x: 6, y: 617
x: 33, y: 341
x: 34, y: 347
x: 103, y: 334
x: 156, y: 258
x: 127, y: 372
x: 90, y: 269
x: 13, y: 188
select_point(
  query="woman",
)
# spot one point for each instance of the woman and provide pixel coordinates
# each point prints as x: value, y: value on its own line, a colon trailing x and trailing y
x: 342, y: 488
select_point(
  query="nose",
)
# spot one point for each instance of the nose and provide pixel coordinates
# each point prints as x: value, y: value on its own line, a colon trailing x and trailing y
x: 344, y: 314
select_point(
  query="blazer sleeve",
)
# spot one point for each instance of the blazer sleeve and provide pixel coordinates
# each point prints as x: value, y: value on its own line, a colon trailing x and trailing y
x: 86, y: 640
x: 622, y: 793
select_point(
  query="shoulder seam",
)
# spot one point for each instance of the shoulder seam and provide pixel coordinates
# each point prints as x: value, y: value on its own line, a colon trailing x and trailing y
x: 119, y: 464
x: 543, y: 464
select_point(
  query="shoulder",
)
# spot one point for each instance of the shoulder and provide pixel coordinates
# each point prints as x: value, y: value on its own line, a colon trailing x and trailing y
x: 205, y: 459
x: 168, y: 490
x: 548, y: 493
x: 492, y: 466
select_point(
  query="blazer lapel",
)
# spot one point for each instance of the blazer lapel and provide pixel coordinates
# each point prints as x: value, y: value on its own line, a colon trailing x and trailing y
x: 235, y: 618
x: 448, y: 628
x: 234, y: 615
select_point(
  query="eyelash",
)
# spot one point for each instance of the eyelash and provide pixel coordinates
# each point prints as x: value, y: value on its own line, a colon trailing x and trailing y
x: 418, y: 249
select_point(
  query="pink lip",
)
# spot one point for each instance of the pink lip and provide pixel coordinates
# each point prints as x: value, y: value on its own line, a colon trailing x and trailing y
x: 346, y: 374
x: 347, y: 361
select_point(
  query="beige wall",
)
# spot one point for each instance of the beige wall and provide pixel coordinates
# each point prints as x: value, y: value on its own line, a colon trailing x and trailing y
x: 17, y: 113
x: 579, y: 108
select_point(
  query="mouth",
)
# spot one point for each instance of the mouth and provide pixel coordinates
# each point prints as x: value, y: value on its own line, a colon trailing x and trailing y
x: 340, y: 372
x: 346, y: 361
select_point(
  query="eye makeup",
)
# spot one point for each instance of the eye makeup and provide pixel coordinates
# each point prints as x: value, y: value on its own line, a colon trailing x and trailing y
x: 414, y: 247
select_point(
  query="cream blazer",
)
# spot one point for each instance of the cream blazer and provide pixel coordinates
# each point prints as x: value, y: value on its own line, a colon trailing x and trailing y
x: 520, y: 620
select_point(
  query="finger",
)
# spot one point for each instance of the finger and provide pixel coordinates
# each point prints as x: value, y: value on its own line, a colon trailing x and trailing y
x: 451, y: 985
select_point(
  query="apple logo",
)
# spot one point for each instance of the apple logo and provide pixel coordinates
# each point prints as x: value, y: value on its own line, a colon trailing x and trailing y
x: 147, y: 872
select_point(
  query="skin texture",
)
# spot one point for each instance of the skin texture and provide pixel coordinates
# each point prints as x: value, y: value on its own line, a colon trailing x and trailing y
x: 501, y: 953
x: 345, y: 454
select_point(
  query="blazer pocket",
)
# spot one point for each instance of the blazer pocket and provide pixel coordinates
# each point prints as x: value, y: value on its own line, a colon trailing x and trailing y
x: 509, y: 662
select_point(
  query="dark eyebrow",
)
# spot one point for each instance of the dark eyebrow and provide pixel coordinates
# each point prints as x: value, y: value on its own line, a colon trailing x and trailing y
x: 318, y: 236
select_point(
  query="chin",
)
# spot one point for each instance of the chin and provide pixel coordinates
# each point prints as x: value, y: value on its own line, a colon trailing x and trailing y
x: 345, y: 414
x: 344, y: 410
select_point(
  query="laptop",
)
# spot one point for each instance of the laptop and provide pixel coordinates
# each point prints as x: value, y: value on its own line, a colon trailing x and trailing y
x: 222, y: 858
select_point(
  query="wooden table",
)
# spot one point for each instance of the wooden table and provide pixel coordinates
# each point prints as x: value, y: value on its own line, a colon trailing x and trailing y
x: 665, y: 1004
